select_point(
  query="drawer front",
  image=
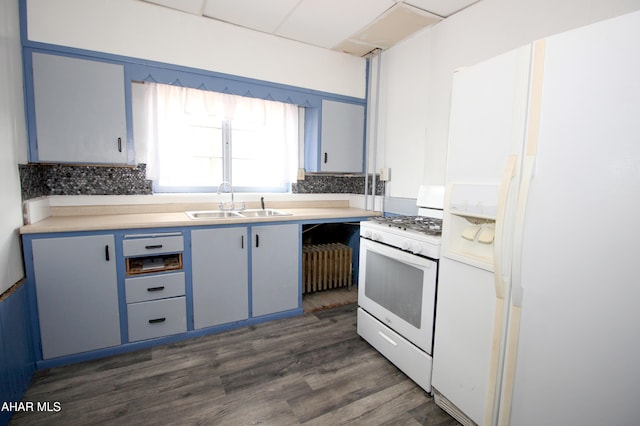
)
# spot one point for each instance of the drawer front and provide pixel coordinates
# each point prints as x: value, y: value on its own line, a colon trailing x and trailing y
x: 151, y: 246
x: 154, y: 287
x: 157, y: 318
x: 408, y: 358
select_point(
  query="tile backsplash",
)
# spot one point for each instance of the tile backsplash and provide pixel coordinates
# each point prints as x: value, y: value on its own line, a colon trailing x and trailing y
x: 335, y: 184
x: 39, y: 180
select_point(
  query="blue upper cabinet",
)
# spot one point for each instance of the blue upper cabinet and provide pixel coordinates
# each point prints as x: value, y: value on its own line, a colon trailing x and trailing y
x: 79, y: 113
x: 342, y: 137
x: 334, y: 137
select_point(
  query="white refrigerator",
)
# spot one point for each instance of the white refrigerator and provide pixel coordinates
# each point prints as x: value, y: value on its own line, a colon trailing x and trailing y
x: 538, y: 306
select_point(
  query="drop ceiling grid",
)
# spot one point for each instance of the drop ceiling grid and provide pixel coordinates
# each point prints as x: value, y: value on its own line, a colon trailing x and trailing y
x: 190, y: 6
x: 352, y: 26
x: 442, y: 8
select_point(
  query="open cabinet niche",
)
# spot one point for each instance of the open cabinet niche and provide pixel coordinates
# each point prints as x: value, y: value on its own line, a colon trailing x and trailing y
x: 329, y: 256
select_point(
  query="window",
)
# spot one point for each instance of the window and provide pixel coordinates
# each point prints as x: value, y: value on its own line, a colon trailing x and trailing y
x: 193, y: 140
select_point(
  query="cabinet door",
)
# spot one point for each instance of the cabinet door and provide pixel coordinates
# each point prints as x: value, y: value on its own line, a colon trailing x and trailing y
x: 77, y: 292
x: 275, y: 278
x: 342, y: 144
x: 220, y: 276
x: 79, y: 110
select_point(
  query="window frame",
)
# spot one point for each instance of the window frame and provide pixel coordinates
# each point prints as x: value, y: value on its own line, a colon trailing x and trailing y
x: 217, y: 147
x: 227, y: 171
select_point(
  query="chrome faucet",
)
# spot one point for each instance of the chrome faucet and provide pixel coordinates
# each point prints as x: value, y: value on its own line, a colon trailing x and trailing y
x: 232, y: 206
x: 221, y: 188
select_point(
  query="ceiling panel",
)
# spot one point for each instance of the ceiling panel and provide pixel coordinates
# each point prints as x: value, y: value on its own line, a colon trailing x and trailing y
x: 263, y: 16
x: 326, y: 23
x: 397, y: 24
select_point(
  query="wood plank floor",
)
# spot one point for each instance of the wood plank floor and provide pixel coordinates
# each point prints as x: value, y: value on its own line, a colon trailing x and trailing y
x: 319, y: 300
x: 313, y: 370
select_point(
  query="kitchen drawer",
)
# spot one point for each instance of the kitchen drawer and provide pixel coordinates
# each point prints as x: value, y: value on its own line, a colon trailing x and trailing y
x: 141, y: 289
x: 157, y: 318
x: 404, y: 355
x: 152, y: 245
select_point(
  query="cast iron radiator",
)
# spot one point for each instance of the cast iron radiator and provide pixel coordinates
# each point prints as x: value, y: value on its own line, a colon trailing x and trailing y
x: 325, y: 266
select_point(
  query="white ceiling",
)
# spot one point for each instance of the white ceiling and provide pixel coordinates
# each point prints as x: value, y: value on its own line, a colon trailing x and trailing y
x: 352, y: 26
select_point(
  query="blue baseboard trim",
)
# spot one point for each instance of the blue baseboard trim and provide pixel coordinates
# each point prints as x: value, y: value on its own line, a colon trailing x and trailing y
x: 17, y: 358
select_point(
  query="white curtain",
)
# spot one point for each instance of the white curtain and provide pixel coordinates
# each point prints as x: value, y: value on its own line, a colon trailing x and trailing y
x: 169, y: 110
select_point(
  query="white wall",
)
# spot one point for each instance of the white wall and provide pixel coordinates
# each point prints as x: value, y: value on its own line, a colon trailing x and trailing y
x: 402, y: 132
x: 144, y: 30
x: 415, y: 123
x: 13, y: 144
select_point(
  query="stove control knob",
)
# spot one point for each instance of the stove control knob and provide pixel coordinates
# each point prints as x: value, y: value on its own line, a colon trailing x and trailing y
x: 405, y: 245
x: 375, y: 236
x: 366, y: 233
x: 416, y: 248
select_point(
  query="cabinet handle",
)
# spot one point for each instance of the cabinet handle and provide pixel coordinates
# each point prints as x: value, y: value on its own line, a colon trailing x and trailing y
x: 106, y: 253
x: 119, y: 144
x: 157, y: 246
x: 326, y: 157
x: 257, y: 240
x: 242, y: 241
x: 156, y: 288
x: 157, y: 320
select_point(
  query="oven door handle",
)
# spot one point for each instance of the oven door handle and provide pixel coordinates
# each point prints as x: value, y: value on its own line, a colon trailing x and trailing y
x: 397, y: 254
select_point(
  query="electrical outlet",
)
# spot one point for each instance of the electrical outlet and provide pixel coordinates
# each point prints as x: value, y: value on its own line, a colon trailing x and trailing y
x: 301, y: 174
x: 385, y: 174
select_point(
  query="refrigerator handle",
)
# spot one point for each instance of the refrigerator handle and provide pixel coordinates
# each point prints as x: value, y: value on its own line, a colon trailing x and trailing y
x: 528, y: 164
x: 528, y: 168
x: 498, y: 248
x: 527, y: 175
x: 500, y: 277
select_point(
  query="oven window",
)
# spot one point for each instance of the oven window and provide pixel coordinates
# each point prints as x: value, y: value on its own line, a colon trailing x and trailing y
x: 395, y: 286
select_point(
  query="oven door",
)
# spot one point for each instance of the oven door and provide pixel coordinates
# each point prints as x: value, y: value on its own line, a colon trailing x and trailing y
x: 399, y: 289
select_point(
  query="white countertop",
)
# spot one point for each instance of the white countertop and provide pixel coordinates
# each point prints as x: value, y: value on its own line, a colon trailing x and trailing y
x: 100, y: 222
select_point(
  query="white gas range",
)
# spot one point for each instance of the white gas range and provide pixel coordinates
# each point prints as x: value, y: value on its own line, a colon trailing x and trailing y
x: 397, y: 285
x: 418, y: 235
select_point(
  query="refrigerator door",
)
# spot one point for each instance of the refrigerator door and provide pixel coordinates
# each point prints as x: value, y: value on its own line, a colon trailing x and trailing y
x: 578, y: 346
x: 463, y: 338
x: 487, y: 125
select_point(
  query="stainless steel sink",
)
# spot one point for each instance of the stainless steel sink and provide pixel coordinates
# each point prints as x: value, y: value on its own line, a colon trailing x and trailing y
x: 230, y: 214
x: 262, y: 213
x: 212, y: 214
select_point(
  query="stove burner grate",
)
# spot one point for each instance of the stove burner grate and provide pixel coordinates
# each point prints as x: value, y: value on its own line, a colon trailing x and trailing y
x: 422, y: 224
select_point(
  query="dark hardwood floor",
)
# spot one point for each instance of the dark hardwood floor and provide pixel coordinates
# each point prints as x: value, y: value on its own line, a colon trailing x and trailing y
x: 313, y: 369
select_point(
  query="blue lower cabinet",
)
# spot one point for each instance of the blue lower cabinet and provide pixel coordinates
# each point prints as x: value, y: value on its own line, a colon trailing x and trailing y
x: 77, y: 291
